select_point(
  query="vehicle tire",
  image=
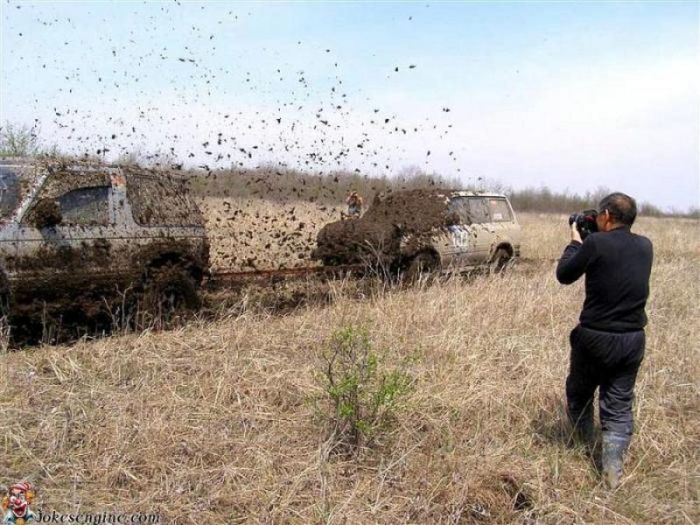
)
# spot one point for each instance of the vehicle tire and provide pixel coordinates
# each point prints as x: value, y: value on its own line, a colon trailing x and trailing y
x: 5, y: 302
x: 499, y: 261
x: 424, y: 263
x: 170, y: 291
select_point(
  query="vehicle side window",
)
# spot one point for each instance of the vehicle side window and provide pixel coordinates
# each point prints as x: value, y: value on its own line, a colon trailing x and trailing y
x: 85, y: 206
x: 500, y: 211
x: 478, y: 210
x: 161, y: 201
x: 460, y: 206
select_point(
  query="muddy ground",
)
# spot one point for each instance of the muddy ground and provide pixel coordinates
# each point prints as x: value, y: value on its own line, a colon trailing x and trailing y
x: 67, y: 288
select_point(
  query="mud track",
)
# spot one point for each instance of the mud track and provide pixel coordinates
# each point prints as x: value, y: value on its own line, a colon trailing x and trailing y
x: 233, y: 279
x: 228, y: 292
x: 283, y: 290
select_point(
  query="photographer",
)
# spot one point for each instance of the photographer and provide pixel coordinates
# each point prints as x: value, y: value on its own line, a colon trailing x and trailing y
x: 607, y: 347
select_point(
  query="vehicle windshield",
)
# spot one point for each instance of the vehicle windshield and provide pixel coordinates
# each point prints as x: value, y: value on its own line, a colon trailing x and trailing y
x: 13, y: 186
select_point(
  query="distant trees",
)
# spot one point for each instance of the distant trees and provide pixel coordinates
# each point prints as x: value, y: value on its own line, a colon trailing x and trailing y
x: 283, y: 184
x: 545, y: 200
x: 18, y: 141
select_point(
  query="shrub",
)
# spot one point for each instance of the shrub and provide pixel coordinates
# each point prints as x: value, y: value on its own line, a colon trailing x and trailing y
x: 361, y: 396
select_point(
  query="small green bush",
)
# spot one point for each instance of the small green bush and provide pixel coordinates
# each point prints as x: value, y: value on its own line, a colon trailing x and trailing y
x: 361, y: 396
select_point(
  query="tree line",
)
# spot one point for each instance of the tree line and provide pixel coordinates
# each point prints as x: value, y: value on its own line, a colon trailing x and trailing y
x: 330, y: 188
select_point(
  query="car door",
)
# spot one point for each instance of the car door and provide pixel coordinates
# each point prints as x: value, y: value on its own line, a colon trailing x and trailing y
x: 502, y: 221
x: 89, y: 217
x: 481, y: 229
x: 68, y: 257
x: 44, y: 256
x: 10, y: 199
x: 461, y: 237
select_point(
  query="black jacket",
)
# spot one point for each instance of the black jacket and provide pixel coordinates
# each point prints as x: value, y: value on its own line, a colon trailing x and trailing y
x: 617, y: 265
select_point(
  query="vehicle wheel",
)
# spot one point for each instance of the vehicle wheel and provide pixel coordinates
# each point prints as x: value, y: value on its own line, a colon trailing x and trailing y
x: 5, y: 330
x: 5, y: 310
x: 4, y: 291
x: 423, y: 263
x: 5, y: 307
x: 500, y: 260
x: 170, y: 291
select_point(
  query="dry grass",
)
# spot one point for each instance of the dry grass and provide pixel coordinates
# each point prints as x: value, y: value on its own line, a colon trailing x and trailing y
x: 214, y: 422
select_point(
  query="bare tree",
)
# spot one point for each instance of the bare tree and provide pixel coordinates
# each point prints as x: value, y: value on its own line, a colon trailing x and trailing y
x: 18, y: 141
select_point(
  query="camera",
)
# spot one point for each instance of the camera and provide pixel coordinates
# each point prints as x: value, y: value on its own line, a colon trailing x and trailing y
x: 585, y: 222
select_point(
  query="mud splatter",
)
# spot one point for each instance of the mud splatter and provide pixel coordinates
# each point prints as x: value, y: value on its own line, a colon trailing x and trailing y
x: 415, y: 213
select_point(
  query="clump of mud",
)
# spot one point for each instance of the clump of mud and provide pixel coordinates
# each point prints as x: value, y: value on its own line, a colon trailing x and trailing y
x: 415, y: 210
x: 46, y: 213
x: 377, y: 234
x: 160, y: 197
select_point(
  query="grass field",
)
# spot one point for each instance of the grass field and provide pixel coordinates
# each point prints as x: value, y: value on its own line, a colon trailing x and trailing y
x: 220, y: 421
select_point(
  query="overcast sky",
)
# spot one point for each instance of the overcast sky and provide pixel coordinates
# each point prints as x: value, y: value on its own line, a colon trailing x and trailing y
x: 568, y: 95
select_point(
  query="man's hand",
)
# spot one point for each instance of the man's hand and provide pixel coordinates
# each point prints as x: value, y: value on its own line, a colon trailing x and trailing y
x: 575, y: 235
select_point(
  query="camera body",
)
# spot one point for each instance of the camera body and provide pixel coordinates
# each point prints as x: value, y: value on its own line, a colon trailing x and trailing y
x: 585, y: 222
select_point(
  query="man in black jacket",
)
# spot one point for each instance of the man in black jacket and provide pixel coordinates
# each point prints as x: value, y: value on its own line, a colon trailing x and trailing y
x: 607, y: 347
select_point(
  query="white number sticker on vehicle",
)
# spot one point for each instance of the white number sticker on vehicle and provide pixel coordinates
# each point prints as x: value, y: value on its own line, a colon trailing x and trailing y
x: 460, y: 238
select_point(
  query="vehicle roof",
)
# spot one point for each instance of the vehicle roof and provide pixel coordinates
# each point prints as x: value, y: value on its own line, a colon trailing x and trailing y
x: 15, y: 161
x: 430, y: 192
x: 73, y: 164
x: 470, y: 193
x: 80, y: 165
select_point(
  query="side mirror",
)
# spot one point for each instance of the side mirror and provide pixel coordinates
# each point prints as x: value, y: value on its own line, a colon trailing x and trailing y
x: 46, y: 213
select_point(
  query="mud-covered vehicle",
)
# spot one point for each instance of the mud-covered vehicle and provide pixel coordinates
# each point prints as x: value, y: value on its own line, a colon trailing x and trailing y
x: 414, y: 231
x: 75, y: 235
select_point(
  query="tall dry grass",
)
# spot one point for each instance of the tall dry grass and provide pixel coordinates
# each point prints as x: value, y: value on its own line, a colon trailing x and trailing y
x: 215, y: 422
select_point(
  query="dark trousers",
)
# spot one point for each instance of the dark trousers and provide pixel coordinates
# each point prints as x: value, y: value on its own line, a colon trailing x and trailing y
x: 610, y: 361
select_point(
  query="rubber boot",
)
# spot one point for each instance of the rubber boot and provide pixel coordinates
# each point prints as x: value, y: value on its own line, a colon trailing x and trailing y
x: 585, y: 430
x: 614, y: 448
x: 582, y: 425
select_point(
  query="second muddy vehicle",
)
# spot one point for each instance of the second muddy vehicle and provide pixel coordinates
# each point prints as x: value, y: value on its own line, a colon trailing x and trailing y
x: 406, y: 233
x: 77, y: 236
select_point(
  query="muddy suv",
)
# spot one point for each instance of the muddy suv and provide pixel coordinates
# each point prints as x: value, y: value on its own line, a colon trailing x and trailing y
x: 409, y: 232
x: 73, y: 234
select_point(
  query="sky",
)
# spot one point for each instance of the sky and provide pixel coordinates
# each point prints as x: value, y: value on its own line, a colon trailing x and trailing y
x: 570, y: 95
